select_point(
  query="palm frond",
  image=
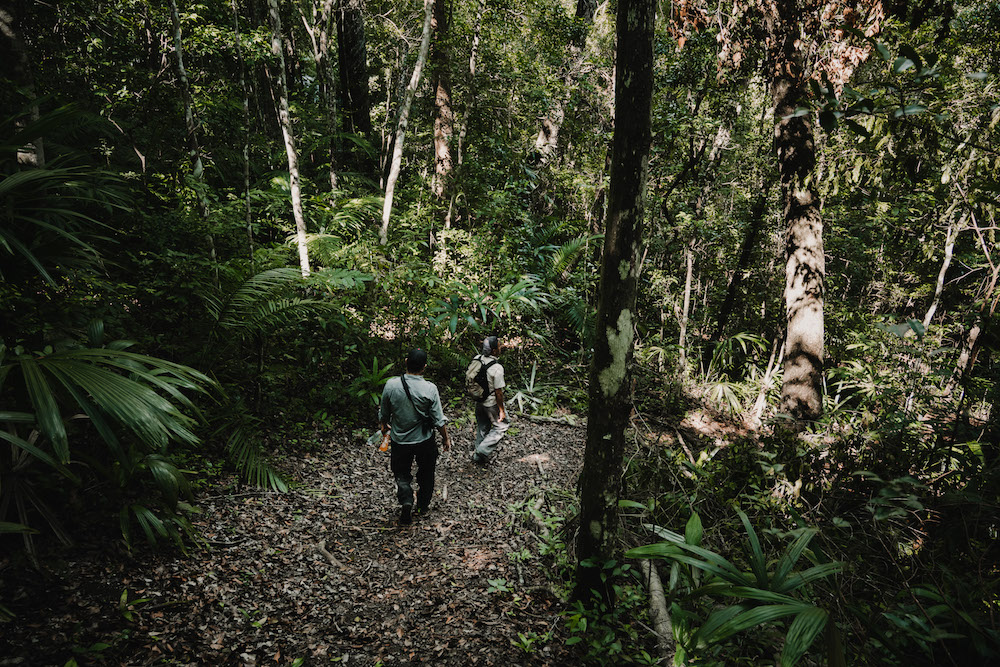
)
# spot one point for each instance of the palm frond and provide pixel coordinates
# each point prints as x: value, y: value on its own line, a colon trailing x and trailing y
x: 565, y: 258
x: 241, y: 431
x: 114, y: 385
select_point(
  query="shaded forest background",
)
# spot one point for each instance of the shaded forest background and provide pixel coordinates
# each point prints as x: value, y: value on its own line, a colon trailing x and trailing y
x: 225, y: 223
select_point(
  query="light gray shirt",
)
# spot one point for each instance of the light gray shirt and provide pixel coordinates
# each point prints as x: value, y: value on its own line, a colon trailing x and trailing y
x: 494, y: 381
x: 406, y: 426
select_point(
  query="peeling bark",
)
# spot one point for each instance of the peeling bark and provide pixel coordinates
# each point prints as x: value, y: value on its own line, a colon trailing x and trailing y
x: 444, y: 117
x: 547, y: 141
x: 802, y: 385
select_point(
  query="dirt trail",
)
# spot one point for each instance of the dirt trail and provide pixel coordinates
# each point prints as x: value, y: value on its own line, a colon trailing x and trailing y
x: 323, y: 574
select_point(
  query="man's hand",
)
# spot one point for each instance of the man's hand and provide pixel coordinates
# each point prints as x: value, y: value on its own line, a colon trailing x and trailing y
x: 446, y: 443
x: 500, y: 405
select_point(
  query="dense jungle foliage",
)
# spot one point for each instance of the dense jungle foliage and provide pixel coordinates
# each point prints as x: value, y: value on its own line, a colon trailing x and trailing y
x: 163, y: 163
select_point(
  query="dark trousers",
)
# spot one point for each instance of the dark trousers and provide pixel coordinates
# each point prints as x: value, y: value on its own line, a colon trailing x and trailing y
x: 401, y: 459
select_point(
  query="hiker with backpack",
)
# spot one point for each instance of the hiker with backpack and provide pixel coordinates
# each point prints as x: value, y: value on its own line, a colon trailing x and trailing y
x: 409, y: 413
x: 484, y: 383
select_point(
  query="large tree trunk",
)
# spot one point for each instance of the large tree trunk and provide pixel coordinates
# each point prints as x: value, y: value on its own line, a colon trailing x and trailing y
x: 285, y: 119
x: 404, y: 116
x: 444, y: 117
x: 608, y: 414
x: 547, y: 140
x: 470, y: 106
x: 802, y: 382
x: 18, y: 68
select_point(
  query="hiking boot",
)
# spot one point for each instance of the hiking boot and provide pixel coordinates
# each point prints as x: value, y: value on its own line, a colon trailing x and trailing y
x: 422, y: 510
x: 404, y: 515
x: 478, y: 461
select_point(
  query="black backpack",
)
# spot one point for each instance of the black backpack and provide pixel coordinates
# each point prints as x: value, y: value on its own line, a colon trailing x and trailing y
x: 476, y: 384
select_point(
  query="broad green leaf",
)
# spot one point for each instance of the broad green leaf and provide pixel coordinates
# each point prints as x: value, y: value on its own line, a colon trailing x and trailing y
x: 17, y: 417
x: 95, y: 332
x: 803, y: 631
x: 47, y: 412
x: 883, y: 51
x: 757, y: 562
x: 8, y: 527
x: 791, y: 556
x: 665, y: 533
x: 812, y: 574
x: 909, y: 110
x: 168, y: 478
x: 717, y: 619
x: 693, y: 531
x: 911, y: 54
x: 625, y: 503
x: 35, y: 451
x: 710, y: 561
x: 902, y: 64
x: 828, y: 120
x: 857, y: 127
x: 754, y: 617
x: 748, y: 592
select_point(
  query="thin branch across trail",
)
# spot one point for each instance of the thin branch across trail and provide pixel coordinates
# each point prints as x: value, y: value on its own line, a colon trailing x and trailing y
x: 325, y: 573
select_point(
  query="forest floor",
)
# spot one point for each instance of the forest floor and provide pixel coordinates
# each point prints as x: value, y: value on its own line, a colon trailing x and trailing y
x: 324, y: 574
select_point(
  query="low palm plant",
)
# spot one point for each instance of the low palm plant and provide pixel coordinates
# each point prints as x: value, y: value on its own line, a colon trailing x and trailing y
x: 69, y: 407
x: 64, y: 397
x: 243, y: 318
x: 771, y: 591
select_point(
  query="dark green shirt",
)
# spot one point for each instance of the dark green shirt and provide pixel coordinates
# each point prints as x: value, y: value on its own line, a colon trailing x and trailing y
x: 406, y: 426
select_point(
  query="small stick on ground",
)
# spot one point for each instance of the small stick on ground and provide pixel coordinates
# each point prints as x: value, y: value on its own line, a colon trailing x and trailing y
x: 321, y: 547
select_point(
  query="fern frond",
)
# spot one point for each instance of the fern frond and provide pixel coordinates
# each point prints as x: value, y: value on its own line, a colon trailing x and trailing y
x: 246, y: 453
x: 565, y: 258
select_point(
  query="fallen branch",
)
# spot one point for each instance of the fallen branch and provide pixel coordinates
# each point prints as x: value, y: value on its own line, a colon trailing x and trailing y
x: 224, y: 544
x: 321, y: 547
x: 658, y: 613
x: 567, y: 420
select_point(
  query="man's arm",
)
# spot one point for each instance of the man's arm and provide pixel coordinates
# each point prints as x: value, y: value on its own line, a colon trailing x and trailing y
x: 437, y: 414
x: 503, y: 412
x: 385, y: 410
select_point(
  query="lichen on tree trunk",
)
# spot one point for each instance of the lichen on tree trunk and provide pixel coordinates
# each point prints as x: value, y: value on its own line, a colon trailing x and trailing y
x: 609, y: 410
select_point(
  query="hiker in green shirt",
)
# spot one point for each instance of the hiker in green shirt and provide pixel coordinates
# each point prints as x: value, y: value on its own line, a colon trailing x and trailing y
x: 410, y: 411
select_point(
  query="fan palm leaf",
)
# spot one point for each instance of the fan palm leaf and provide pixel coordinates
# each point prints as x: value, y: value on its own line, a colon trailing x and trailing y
x: 46, y: 219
